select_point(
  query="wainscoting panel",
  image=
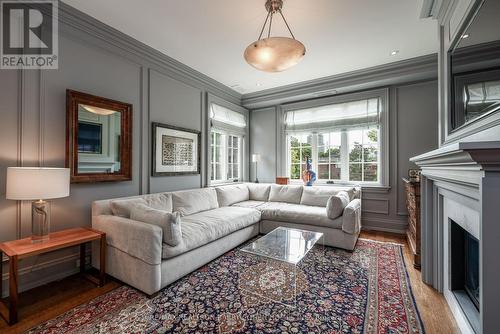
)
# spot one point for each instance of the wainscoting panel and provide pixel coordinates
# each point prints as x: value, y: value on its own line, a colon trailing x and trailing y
x: 375, y: 205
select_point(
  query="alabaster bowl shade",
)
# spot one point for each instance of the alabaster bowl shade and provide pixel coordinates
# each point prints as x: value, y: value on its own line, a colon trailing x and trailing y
x: 36, y: 183
x: 274, y: 54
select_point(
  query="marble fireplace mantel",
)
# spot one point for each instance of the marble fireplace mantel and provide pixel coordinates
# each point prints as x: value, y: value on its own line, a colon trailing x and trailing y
x: 462, y: 182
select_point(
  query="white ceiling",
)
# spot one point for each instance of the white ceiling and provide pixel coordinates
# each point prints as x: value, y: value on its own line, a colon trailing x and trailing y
x: 211, y: 35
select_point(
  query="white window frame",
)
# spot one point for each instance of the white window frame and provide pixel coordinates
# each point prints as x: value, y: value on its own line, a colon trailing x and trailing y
x: 224, y: 161
x: 383, y: 170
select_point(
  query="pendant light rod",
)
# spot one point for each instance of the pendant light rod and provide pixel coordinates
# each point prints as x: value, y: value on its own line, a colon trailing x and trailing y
x: 270, y: 25
x: 290, y: 30
x: 273, y: 7
x: 264, y: 26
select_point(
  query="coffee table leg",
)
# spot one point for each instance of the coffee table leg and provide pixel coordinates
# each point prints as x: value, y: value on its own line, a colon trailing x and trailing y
x: 102, y: 262
x: 13, y: 275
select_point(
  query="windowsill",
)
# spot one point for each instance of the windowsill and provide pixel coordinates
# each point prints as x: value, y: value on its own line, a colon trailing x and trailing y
x: 224, y: 183
x: 371, y: 188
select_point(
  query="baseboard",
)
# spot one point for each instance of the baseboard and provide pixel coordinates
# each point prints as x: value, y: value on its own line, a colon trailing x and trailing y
x: 384, y: 225
x: 67, y: 268
x: 382, y: 229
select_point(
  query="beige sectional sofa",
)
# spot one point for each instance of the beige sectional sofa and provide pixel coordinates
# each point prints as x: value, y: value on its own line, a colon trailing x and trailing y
x: 213, y: 221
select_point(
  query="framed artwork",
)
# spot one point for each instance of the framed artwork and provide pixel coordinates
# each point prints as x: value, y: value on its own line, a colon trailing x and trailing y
x: 176, y: 151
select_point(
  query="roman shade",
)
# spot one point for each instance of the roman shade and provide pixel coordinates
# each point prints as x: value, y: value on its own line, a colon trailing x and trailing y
x: 334, y: 117
x: 226, y: 119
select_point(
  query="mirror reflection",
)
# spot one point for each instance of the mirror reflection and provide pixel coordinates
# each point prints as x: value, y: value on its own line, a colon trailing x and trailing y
x: 475, y: 67
x: 98, y: 140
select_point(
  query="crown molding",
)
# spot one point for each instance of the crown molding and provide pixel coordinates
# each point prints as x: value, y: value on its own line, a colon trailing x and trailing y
x: 79, y: 21
x: 409, y: 70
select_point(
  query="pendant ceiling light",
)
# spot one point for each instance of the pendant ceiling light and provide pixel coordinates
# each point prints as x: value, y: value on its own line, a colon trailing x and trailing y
x: 274, y: 54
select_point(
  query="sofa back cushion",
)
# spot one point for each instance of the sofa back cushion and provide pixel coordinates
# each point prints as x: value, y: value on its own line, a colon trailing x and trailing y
x: 121, y: 206
x: 259, y: 191
x: 229, y: 195
x: 286, y: 194
x: 188, y: 202
x: 318, y: 196
x: 170, y: 222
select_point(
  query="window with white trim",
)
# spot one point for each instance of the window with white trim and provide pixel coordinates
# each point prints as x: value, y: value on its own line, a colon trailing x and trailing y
x: 226, y: 142
x: 346, y: 140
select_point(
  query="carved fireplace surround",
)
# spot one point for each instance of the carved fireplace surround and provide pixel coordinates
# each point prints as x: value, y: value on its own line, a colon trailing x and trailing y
x: 461, y: 184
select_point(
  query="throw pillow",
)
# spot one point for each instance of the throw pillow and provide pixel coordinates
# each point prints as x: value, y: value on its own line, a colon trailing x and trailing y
x: 336, y: 204
x: 122, y: 207
x: 170, y: 223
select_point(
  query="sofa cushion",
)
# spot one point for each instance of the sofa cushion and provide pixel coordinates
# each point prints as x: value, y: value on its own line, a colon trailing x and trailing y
x: 228, y: 195
x: 170, y: 223
x: 336, y: 204
x: 204, y: 227
x: 318, y: 196
x: 285, y: 194
x: 249, y: 204
x: 189, y: 202
x: 298, y: 214
x: 259, y: 191
x: 160, y: 201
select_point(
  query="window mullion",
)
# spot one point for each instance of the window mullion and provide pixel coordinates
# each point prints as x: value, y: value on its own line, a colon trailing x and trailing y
x: 314, y: 152
x: 344, y: 157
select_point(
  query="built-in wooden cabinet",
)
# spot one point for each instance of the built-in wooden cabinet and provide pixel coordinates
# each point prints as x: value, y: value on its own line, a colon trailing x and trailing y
x: 413, y: 231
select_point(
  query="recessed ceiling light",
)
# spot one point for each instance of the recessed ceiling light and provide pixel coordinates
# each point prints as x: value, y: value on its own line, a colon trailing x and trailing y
x: 394, y: 52
x: 465, y: 36
x: 258, y: 84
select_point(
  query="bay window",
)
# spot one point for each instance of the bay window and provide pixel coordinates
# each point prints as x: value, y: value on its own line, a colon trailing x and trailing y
x: 226, y: 143
x: 345, y: 137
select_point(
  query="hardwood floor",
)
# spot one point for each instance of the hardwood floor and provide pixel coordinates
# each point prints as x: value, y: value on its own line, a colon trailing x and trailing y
x: 49, y: 301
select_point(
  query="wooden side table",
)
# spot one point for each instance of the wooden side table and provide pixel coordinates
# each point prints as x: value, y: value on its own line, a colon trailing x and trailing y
x: 23, y: 248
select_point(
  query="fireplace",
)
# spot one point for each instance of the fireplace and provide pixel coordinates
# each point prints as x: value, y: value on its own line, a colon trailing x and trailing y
x: 464, y: 271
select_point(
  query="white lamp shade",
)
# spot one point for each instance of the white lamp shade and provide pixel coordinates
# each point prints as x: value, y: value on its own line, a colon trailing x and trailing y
x: 34, y: 183
x: 255, y: 157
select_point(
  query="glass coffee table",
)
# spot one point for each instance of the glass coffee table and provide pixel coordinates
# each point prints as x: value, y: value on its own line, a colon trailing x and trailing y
x: 272, y: 272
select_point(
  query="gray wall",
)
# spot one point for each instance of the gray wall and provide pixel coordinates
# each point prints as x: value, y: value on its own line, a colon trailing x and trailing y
x: 95, y: 59
x: 413, y: 129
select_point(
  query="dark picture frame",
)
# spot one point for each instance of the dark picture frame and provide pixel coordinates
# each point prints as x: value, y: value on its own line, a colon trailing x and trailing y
x: 73, y: 100
x: 160, y: 129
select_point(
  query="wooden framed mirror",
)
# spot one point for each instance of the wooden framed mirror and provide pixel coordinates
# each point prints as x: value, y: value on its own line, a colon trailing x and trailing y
x: 98, y: 138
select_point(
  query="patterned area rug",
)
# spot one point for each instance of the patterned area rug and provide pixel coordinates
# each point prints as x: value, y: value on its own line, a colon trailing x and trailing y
x: 334, y: 291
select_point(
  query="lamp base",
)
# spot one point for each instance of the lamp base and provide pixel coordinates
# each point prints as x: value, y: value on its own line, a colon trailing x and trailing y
x: 256, y: 181
x: 40, y: 221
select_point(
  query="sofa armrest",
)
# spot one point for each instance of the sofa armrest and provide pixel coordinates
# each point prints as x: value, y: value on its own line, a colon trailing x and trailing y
x: 138, y: 239
x: 351, y: 218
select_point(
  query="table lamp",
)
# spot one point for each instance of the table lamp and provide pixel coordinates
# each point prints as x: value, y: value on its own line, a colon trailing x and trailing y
x: 38, y: 184
x: 256, y: 159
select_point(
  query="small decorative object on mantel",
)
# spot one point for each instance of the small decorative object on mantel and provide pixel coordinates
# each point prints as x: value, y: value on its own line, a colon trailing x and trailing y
x: 282, y: 180
x: 413, y: 206
x: 308, y: 176
x: 414, y: 175
x: 176, y: 151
